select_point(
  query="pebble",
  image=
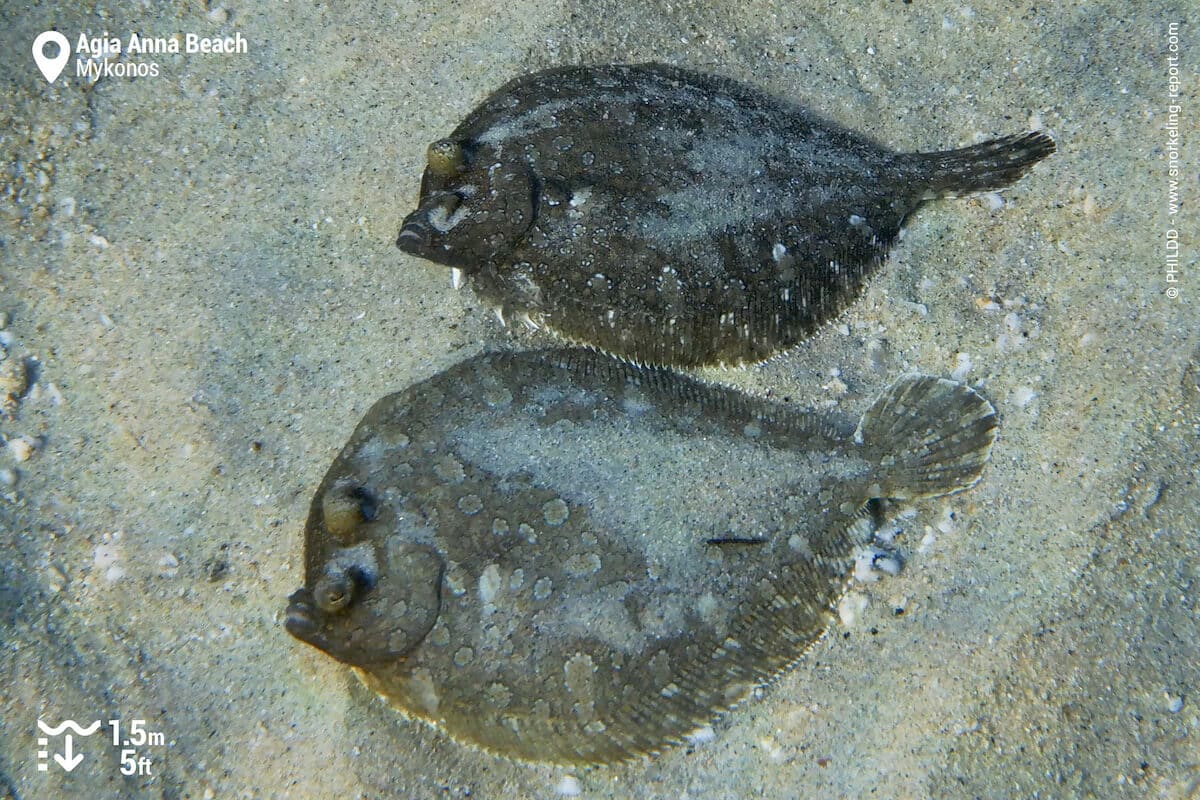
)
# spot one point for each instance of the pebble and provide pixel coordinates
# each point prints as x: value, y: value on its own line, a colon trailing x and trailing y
x: 1023, y: 396
x: 962, y: 365
x: 864, y: 561
x: 948, y: 522
x: 568, y: 786
x: 8, y: 477
x: 887, y: 562
x: 106, y: 560
x: 168, y: 566
x: 851, y: 607
x: 55, y: 579
x: 927, y: 541
x: 14, y: 380
x: 20, y: 449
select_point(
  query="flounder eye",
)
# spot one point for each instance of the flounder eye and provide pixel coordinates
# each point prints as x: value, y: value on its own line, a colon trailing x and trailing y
x: 445, y: 157
x: 344, y: 507
x: 333, y: 593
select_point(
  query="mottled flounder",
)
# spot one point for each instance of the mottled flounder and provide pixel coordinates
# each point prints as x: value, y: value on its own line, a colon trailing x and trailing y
x: 561, y: 557
x: 671, y: 217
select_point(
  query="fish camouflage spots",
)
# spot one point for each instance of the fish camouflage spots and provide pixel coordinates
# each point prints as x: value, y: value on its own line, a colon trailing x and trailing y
x: 559, y: 556
x: 675, y: 218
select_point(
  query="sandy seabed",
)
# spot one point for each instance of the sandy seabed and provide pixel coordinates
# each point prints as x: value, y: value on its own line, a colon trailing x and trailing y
x: 200, y: 296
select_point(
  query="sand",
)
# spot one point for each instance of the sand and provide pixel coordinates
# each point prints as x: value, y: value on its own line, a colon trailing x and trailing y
x: 200, y: 296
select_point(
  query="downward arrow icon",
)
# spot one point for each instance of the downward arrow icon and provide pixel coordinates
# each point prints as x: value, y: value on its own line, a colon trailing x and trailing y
x: 68, y: 759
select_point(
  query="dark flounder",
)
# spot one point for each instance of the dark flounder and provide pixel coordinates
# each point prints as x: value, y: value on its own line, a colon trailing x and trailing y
x: 558, y: 556
x: 671, y: 217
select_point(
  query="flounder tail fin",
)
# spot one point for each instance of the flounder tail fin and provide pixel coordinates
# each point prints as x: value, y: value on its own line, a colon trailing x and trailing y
x: 981, y: 167
x: 933, y: 436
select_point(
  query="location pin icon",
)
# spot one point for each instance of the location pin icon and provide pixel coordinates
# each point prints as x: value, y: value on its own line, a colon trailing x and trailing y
x: 51, y: 67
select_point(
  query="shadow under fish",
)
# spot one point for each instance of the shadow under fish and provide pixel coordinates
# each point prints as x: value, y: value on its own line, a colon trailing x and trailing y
x: 558, y: 556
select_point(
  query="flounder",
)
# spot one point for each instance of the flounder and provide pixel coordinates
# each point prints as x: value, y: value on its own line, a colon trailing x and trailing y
x: 671, y: 217
x: 558, y: 556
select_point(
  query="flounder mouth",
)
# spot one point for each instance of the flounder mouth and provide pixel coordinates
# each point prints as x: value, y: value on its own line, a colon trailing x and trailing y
x: 301, y: 618
x: 438, y: 214
x: 305, y: 621
x: 415, y: 234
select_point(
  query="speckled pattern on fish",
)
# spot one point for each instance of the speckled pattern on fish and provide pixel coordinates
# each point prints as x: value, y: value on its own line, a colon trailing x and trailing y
x: 558, y: 556
x: 671, y: 217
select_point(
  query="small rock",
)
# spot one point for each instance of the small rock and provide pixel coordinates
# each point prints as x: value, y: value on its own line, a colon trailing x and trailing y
x: 887, y: 562
x: 56, y: 581
x: 168, y: 566
x: 863, y: 561
x: 962, y: 365
x: 1023, y: 396
x: 851, y: 607
x: 106, y: 559
x: 216, y: 569
x: 8, y: 477
x: 568, y: 786
x: 948, y: 523
x: 927, y: 541
x: 21, y: 448
x: 14, y: 380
